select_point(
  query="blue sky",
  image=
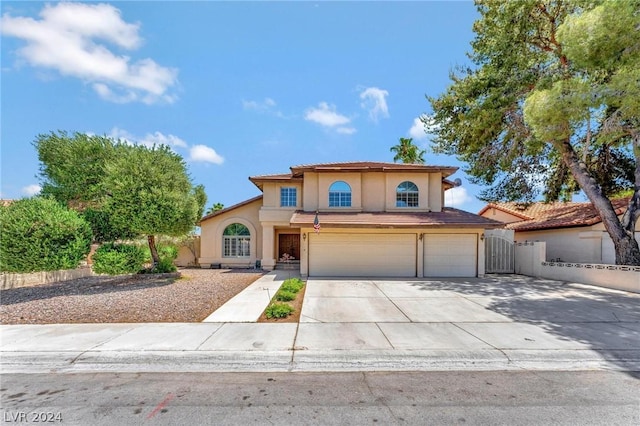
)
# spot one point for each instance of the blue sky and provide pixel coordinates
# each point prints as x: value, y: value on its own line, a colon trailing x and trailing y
x: 236, y: 88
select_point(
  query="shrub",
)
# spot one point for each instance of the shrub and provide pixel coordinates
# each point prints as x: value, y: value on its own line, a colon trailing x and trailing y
x: 292, y: 285
x: 169, y: 251
x: 285, y: 296
x: 116, y: 259
x: 278, y: 310
x: 165, y: 266
x: 39, y: 234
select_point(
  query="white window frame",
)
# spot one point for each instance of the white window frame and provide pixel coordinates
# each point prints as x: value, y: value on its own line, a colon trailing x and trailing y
x: 343, y: 197
x: 411, y: 198
x: 289, y: 194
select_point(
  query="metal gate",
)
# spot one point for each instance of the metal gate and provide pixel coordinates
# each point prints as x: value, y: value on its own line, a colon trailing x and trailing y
x: 498, y: 251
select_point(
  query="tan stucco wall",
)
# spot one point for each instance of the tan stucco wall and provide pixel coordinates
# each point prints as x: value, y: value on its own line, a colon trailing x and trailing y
x: 186, y: 255
x: 373, y: 192
x: 500, y: 216
x: 211, y: 235
x: 370, y: 192
x: 304, y: 243
x: 570, y: 244
x: 584, y: 244
x: 271, y: 194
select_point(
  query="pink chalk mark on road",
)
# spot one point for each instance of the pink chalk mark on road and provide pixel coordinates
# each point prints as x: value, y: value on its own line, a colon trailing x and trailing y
x: 160, y: 406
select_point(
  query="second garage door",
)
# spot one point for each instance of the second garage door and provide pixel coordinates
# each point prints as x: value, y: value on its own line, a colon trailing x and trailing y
x: 362, y: 255
x: 450, y: 255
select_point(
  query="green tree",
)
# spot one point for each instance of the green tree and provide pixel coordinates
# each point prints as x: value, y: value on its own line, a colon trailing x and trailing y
x: 150, y: 192
x: 125, y: 190
x: 215, y: 208
x: 407, y: 152
x: 72, y: 170
x: 552, y: 104
x: 40, y: 234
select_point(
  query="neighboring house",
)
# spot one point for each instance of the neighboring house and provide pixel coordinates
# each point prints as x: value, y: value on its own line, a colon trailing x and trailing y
x: 573, y: 232
x: 375, y: 219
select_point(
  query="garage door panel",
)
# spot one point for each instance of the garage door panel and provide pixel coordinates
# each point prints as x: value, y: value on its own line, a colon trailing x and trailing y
x: 450, y: 255
x: 383, y: 255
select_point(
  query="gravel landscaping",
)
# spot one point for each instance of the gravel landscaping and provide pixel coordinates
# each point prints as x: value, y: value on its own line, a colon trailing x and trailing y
x: 189, y: 296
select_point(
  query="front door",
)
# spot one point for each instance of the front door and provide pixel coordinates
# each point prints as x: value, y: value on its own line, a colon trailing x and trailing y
x: 290, y: 244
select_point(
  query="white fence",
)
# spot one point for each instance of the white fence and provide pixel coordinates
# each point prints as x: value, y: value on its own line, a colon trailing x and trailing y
x: 530, y: 260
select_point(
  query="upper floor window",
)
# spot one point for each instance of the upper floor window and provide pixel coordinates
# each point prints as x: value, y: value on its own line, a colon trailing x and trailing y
x: 288, y: 197
x: 407, y: 195
x: 236, y: 241
x: 339, y: 194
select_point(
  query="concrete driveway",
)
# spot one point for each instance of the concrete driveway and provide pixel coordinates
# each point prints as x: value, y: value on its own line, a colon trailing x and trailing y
x: 497, y: 323
x: 508, y: 313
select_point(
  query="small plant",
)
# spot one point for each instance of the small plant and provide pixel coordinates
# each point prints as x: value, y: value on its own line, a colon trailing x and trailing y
x: 165, y: 266
x: 278, y: 310
x: 292, y: 285
x: 285, y: 296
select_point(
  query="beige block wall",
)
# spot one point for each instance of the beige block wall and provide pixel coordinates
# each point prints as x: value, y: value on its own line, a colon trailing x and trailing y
x: 211, y: 236
x: 569, y: 245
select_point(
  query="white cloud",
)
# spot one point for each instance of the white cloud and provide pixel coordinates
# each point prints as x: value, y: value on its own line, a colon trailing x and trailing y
x: 206, y: 154
x: 346, y: 130
x: 267, y: 105
x: 197, y: 153
x: 149, y: 140
x: 374, y: 100
x: 158, y: 138
x: 417, y: 130
x: 68, y: 39
x: 259, y: 105
x: 456, y: 197
x: 326, y: 116
x: 31, y: 190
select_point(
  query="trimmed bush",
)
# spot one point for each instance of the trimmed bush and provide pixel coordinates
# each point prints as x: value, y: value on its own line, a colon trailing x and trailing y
x: 116, y: 259
x: 285, y: 296
x: 278, y: 310
x: 292, y: 285
x: 163, y: 267
x: 39, y: 234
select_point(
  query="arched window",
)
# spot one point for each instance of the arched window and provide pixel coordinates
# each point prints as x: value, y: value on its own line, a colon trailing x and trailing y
x: 236, y: 240
x: 407, y: 195
x: 339, y: 194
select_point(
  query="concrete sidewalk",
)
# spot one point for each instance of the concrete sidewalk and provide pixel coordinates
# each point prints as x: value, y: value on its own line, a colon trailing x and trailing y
x: 502, y: 323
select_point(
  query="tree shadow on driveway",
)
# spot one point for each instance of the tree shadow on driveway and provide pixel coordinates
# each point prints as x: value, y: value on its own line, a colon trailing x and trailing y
x: 607, y: 321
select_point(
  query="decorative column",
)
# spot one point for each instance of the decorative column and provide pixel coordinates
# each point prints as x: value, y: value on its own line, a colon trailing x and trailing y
x: 268, y: 260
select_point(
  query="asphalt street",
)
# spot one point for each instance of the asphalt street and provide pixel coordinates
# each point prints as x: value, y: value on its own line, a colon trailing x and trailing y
x: 385, y: 398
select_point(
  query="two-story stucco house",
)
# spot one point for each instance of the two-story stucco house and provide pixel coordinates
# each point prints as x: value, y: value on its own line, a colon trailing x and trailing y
x: 374, y: 219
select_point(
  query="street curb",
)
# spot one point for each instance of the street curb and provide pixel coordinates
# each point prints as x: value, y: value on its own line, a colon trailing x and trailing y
x: 316, y: 361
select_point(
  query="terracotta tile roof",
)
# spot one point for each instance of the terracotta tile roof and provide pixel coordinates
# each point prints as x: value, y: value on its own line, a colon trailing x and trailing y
x: 554, y: 215
x: 371, y: 166
x: 281, y: 176
x: 227, y: 209
x: 448, y: 218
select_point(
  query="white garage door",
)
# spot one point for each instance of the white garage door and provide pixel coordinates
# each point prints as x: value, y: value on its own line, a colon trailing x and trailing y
x: 362, y: 255
x: 450, y: 255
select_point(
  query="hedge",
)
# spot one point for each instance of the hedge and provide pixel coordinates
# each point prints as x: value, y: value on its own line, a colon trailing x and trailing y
x: 39, y: 234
